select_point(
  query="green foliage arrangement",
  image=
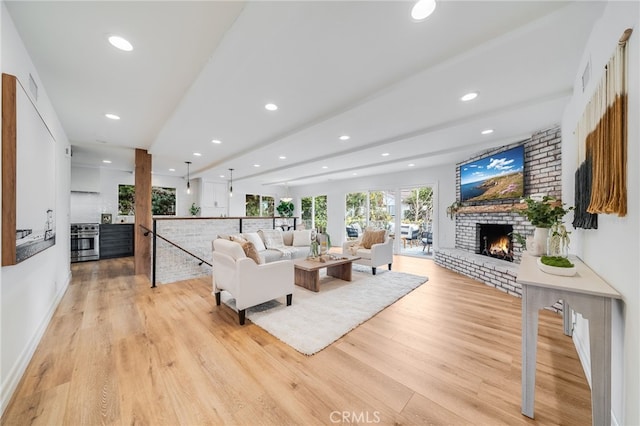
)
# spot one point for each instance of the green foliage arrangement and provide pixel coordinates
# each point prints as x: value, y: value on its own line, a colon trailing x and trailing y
x: 544, y: 213
x: 285, y: 208
x: 194, y: 210
x: 557, y: 261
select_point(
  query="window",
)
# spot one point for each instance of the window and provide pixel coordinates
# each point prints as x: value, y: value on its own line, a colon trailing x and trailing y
x: 356, y: 210
x: 417, y: 207
x: 314, y: 212
x: 259, y: 205
x: 381, y: 209
x: 163, y: 200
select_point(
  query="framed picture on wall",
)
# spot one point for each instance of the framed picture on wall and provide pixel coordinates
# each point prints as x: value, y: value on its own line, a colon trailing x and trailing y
x: 28, y: 176
x: 106, y: 218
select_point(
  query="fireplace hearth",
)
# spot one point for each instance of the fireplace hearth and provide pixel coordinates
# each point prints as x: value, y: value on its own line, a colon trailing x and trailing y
x: 494, y: 240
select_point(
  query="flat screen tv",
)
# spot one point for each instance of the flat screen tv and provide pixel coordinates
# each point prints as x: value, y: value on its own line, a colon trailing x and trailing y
x: 495, y: 177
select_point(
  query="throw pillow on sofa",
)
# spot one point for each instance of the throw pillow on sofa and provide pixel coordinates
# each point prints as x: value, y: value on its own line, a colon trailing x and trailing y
x: 255, y: 239
x: 371, y: 237
x: 272, y: 238
x: 251, y: 252
x: 302, y: 238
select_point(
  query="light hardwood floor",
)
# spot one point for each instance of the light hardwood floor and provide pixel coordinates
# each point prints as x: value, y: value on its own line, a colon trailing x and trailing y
x: 118, y: 352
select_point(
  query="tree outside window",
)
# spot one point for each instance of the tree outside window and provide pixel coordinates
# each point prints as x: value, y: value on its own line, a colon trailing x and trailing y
x: 163, y: 200
x: 259, y: 205
x: 314, y: 212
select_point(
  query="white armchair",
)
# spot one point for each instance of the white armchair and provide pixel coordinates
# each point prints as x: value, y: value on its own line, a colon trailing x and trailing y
x: 249, y: 282
x: 377, y: 255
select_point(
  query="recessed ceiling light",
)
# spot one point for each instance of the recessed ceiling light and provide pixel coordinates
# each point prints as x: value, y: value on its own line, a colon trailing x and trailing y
x: 469, y: 96
x: 216, y: 141
x: 197, y: 154
x: 355, y: 174
x: 112, y: 116
x: 385, y: 154
x: 410, y: 165
x: 271, y: 107
x: 120, y: 43
x: 222, y: 176
x: 325, y: 167
x: 256, y: 165
x: 172, y: 170
x: 345, y: 137
x: 106, y: 161
x: 422, y: 9
x: 283, y: 157
x: 487, y: 132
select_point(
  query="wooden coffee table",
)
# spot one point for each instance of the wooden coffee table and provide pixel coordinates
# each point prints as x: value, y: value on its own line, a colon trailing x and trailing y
x: 307, y: 272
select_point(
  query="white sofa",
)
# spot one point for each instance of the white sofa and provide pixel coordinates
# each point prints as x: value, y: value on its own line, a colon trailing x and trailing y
x: 377, y: 255
x: 250, y: 283
x: 296, y: 244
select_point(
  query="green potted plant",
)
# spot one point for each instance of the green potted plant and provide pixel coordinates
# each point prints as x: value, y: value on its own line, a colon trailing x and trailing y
x: 285, y: 208
x: 194, y: 210
x: 543, y: 213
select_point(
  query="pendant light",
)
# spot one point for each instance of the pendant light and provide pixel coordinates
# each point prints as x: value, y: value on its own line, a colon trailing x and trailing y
x: 188, y: 181
x: 230, y: 182
x: 287, y: 198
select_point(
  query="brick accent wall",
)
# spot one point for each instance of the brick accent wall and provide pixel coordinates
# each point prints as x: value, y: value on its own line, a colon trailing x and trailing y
x: 542, y: 174
x: 195, y: 235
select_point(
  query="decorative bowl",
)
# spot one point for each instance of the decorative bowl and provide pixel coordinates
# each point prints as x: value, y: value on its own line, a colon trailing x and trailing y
x: 555, y: 270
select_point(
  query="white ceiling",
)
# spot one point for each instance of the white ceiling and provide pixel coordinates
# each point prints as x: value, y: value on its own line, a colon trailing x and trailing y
x: 204, y: 70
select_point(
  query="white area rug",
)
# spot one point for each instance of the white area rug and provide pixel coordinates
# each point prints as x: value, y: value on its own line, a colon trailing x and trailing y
x: 315, y: 320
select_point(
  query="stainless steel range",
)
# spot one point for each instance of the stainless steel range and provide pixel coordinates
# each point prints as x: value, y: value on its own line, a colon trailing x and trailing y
x: 85, y: 242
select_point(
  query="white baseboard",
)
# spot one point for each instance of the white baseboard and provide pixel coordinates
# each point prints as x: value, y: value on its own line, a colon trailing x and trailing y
x: 583, y: 355
x: 13, y: 378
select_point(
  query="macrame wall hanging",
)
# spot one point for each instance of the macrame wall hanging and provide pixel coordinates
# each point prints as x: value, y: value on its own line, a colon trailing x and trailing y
x: 601, y: 180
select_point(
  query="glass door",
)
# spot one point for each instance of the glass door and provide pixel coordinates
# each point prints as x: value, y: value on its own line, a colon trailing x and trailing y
x: 416, y: 228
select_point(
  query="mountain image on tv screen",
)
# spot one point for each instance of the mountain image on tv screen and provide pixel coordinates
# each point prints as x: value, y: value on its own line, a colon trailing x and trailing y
x: 495, y: 177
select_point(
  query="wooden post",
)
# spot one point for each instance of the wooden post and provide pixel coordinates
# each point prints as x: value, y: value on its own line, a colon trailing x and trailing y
x: 142, y: 244
x: 9, y: 146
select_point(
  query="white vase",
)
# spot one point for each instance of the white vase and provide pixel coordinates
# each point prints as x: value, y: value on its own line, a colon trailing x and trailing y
x: 538, y: 245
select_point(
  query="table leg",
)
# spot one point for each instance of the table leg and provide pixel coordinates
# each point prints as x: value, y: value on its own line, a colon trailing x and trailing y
x: 600, y: 351
x: 307, y: 279
x: 529, y: 346
x: 342, y: 272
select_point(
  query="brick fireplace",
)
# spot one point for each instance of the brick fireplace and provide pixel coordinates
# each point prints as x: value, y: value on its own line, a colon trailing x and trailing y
x: 542, y: 174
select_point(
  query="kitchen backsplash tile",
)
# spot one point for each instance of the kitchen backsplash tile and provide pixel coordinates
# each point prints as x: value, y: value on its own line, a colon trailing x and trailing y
x: 85, y: 207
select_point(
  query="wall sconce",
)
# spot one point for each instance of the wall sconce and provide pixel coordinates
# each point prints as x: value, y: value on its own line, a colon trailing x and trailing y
x: 188, y: 181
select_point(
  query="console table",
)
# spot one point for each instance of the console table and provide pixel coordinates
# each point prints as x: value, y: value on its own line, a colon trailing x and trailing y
x: 585, y: 293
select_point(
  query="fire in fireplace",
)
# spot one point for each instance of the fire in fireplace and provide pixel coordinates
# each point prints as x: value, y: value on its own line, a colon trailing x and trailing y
x: 494, y: 241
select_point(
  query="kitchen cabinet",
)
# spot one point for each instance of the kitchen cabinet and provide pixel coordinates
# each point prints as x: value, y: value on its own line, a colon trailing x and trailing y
x: 213, y: 198
x: 116, y: 240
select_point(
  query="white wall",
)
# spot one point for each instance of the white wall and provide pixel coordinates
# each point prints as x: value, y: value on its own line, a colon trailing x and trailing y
x: 31, y: 290
x: 613, y: 250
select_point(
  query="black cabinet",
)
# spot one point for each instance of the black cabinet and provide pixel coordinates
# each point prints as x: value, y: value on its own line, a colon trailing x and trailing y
x: 116, y: 240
